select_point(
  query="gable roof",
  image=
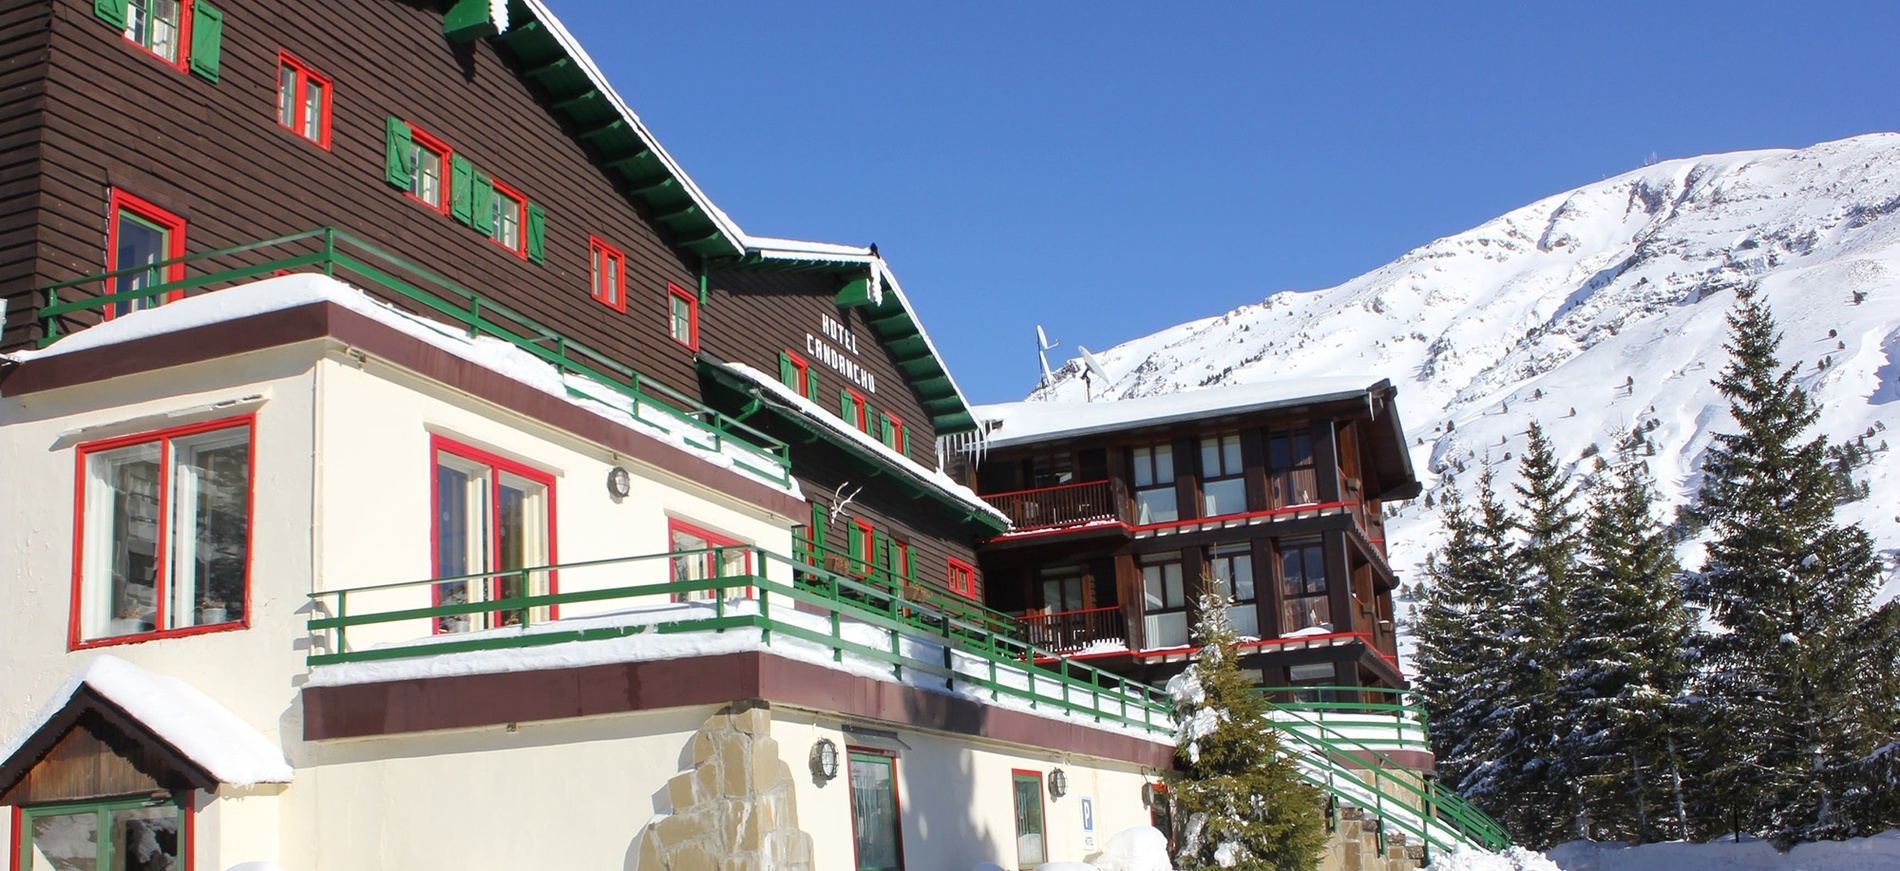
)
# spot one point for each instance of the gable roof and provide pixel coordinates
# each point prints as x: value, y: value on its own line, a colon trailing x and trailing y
x: 197, y: 731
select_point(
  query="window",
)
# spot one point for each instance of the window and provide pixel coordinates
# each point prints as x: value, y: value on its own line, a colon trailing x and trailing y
x: 157, y: 26
x: 1232, y: 566
x: 962, y: 578
x: 891, y: 432
x: 1062, y: 588
x: 1050, y: 471
x: 506, y: 206
x: 1290, y: 470
x: 134, y: 834
x: 703, y: 557
x: 1154, y: 484
x: 493, y: 517
x: 795, y: 372
x: 140, y: 234
x: 1305, y: 604
x: 1164, y: 601
x: 610, y: 274
x: 860, y: 545
x: 1223, y: 481
x: 851, y: 409
x: 1027, y: 788
x: 421, y: 161
x: 303, y: 100
x: 682, y: 316
x: 900, y: 560
x: 165, y: 533
x: 185, y: 34
x: 877, y: 833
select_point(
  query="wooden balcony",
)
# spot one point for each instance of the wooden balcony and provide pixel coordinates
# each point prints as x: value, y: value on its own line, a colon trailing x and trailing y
x: 1062, y: 505
x: 1068, y: 631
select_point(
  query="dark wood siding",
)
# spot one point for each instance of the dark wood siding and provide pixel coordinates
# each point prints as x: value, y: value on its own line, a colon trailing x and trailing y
x: 214, y: 154
x: 24, y: 32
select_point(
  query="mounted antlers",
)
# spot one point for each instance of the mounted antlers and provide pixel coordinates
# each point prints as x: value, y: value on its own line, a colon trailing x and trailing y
x: 839, y: 501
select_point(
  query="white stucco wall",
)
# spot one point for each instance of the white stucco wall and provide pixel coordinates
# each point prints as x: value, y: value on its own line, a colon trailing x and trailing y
x: 955, y: 794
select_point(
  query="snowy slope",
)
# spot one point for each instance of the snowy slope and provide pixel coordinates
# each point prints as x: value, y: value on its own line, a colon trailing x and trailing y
x: 1594, y: 311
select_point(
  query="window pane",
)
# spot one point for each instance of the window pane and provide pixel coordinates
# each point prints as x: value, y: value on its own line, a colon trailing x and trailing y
x: 164, y: 32
x: 1302, y: 449
x: 874, y: 819
x: 1225, y: 497
x: 683, y: 321
x: 64, y: 842
x: 1246, y: 619
x: 521, y: 540
x: 1144, y: 467
x: 425, y: 180
x: 120, y: 592
x: 1171, y: 582
x: 1153, y: 596
x: 1210, y: 457
x: 211, y: 527
x: 140, y: 242
x: 460, y: 536
x: 1243, y: 577
x: 1277, y: 456
x: 1306, y: 612
x: 313, y: 111
x: 1230, y: 454
x: 145, y: 839
x: 287, y: 97
x: 1029, y: 848
x: 1164, y: 464
x: 1156, y: 506
x: 1166, y: 630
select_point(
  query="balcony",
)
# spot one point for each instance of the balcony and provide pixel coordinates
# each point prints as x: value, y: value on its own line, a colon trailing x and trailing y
x: 1078, y: 631
x: 1063, y: 505
x: 590, y: 374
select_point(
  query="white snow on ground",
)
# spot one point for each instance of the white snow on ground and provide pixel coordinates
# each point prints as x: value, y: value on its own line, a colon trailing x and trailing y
x: 1020, y: 422
x: 1513, y: 859
x: 1878, y: 853
x: 1142, y: 848
x: 648, y: 645
x: 291, y: 291
x: 932, y: 477
x: 1596, y: 311
x: 176, y: 712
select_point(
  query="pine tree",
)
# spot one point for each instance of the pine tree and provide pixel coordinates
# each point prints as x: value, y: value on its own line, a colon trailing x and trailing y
x: 1536, y: 717
x: 1787, y: 591
x: 1244, y: 804
x: 1626, y: 671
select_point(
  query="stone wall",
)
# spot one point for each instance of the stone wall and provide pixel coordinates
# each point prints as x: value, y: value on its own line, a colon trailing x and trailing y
x: 1354, y: 846
x: 734, y: 809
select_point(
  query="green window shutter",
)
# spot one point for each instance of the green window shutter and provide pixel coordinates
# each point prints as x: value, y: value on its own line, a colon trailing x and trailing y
x: 396, y: 147
x: 481, y: 202
x: 854, y: 540
x: 903, y: 442
x: 845, y: 409
x: 537, y: 233
x: 207, y: 40
x: 811, y: 386
x: 884, y: 429
x: 818, y: 526
x: 110, y: 11
x: 910, y: 565
x: 787, y: 375
x: 881, y: 550
x: 461, y: 182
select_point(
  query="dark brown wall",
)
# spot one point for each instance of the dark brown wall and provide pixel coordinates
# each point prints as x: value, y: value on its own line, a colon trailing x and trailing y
x: 25, y: 27
x: 214, y: 154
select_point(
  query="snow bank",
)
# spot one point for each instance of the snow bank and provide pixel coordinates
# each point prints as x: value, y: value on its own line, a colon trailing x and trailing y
x: 175, y: 711
x: 1513, y: 859
x: 1878, y: 853
x: 1142, y: 848
x: 1020, y: 422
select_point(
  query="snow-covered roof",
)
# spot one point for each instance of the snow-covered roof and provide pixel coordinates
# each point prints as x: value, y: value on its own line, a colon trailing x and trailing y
x: 1016, y: 423
x: 202, y: 730
x: 291, y: 291
x: 812, y: 411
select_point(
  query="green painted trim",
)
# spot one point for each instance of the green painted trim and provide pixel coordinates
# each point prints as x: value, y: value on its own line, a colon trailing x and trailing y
x: 467, y: 21
x: 856, y: 292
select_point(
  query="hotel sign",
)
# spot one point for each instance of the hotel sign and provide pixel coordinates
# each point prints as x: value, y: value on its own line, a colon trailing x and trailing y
x: 835, y: 346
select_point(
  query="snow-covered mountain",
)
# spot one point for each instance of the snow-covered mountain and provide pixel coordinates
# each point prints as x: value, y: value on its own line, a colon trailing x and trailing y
x: 1597, y: 312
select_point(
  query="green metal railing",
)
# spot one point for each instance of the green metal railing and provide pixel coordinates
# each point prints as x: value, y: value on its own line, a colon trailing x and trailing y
x: 1440, y: 819
x: 891, y: 581
x: 1398, y: 722
x: 336, y: 252
x: 841, y: 614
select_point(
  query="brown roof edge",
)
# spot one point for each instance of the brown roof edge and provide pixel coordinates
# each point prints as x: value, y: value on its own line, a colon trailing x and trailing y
x: 467, y: 701
x: 328, y: 320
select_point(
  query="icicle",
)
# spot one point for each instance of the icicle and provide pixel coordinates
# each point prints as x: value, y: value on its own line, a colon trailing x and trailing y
x: 498, y: 13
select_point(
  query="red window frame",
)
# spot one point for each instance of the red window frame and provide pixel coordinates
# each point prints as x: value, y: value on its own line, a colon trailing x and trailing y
x: 900, y: 559
x: 962, y: 578
x: 305, y: 75
x: 601, y: 254
x: 423, y: 139
x: 897, y: 432
x: 186, y: 10
x: 866, y: 554
x: 897, y: 801
x: 1042, y: 793
x: 173, y: 225
x: 713, y: 539
x: 438, y: 445
x: 505, y: 192
x: 674, y: 291
x: 803, y: 376
x: 162, y: 560
x: 858, y: 410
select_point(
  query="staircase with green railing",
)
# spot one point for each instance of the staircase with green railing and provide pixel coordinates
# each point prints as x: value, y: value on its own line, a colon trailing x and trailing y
x: 1341, y: 743
x: 406, y: 284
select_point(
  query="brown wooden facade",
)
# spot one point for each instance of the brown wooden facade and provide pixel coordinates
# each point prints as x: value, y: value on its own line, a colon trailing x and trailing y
x: 89, y: 113
x: 1073, y: 564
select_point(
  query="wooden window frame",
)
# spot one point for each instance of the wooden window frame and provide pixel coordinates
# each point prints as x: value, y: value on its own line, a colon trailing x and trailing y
x: 713, y: 539
x: 508, y: 192
x: 900, y: 559
x: 600, y: 253
x: 181, y: 63
x: 961, y: 578
x: 860, y: 412
x: 1324, y: 589
x: 174, y: 228
x: 439, y: 445
x: 1221, y: 474
x: 422, y: 139
x: 897, y: 803
x: 863, y: 548
x: 801, y: 377
x: 185, y: 801
x: 161, y: 586
x: 673, y: 292
x: 305, y: 74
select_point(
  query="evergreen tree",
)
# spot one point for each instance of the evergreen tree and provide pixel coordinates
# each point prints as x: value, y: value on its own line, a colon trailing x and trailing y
x: 1240, y: 795
x: 1786, y: 590
x: 1629, y: 629
x: 1536, y: 718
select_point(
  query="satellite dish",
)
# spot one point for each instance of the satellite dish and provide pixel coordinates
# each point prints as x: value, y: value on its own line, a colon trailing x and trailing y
x: 1092, y: 370
x: 1042, y: 347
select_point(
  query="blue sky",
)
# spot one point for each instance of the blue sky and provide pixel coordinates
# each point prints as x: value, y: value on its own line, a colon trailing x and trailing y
x: 1110, y: 169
